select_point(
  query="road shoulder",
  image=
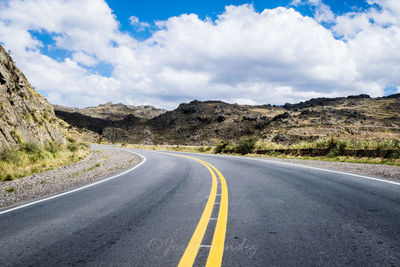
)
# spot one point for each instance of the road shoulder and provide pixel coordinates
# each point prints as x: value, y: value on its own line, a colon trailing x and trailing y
x: 102, y: 162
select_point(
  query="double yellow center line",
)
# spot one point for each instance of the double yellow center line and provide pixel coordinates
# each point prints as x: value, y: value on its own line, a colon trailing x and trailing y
x: 217, y: 245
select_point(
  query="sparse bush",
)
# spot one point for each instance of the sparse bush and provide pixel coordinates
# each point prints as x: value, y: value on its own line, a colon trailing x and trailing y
x: 53, y: 147
x: 31, y: 148
x: 388, y: 144
x: 10, y: 155
x: 71, y: 140
x: 93, y: 167
x: 321, y: 143
x: 332, y: 142
x: 46, y: 115
x: 204, y: 149
x: 84, y: 145
x: 395, y: 155
x: 341, y: 146
x: 7, y: 177
x: 10, y: 189
x: 33, y: 151
x: 72, y: 147
x: 246, y: 145
x: 224, y: 147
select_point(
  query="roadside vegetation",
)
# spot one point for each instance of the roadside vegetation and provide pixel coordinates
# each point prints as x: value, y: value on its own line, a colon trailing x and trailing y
x: 377, y: 151
x: 30, y: 158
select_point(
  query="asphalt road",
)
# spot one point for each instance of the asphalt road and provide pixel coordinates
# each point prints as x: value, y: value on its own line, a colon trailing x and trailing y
x: 277, y: 215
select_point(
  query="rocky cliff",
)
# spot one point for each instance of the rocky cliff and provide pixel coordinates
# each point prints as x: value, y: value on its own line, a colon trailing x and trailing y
x: 25, y: 115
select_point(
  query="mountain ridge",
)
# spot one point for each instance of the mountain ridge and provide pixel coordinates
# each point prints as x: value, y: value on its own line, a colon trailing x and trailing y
x: 208, y: 122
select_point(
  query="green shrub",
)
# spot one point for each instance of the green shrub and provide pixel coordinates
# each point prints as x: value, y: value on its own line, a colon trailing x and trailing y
x: 71, y: 140
x: 53, y: 147
x: 72, y: 147
x: 204, y: 149
x: 341, y: 146
x: 332, y: 142
x: 10, y: 189
x: 84, y: 145
x: 94, y: 166
x: 246, y: 145
x: 321, y: 143
x: 7, y: 177
x: 387, y: 144
x: 224, y: 147
x: 10, y: 155
x: 34, y: 151
x: 30, y: 148
x: 395, y: 155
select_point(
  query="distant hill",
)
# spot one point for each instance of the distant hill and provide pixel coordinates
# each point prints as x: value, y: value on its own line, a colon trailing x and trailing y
x: 114, y: 112
x: 25, y: 115
x: 208, y: 122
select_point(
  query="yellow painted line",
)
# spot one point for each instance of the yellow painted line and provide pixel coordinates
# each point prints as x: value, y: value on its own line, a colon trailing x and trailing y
x: 217, y: 245
x: 193, y: 247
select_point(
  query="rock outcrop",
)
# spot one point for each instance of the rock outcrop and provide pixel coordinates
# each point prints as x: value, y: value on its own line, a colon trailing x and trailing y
x: 25, y: 115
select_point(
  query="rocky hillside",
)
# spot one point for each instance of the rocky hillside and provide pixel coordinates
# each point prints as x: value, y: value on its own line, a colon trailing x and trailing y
x: 114, y: 112
x: 208, y: 122
x: 25, y: 115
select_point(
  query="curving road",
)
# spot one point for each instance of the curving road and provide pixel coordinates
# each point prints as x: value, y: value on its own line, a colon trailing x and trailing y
x: 277, y: 215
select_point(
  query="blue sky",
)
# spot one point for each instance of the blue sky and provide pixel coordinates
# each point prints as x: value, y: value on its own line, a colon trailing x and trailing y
x: 152, y: 10
x: 87, y: 52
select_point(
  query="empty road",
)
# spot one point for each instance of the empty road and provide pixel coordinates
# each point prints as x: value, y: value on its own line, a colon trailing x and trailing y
x: 196, y: 209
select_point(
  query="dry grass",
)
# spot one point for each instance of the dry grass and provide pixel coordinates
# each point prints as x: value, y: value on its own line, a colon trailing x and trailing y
x: 353, y: 144
x: 394, y: 162
x: 28, y: 159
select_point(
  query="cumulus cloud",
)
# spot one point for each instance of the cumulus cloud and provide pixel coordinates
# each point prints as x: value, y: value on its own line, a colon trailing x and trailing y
x: 244, y: 56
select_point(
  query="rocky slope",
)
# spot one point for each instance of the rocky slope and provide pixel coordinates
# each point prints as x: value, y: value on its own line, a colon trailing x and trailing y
x: 25, y: 115
x: 208, y: 122
x: 114, y: 112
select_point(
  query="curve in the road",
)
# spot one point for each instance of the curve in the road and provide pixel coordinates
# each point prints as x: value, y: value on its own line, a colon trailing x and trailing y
x: 217, y: 245
x: 279, y: 215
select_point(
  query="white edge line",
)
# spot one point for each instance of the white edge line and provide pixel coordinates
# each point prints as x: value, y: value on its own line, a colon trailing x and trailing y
x: 79, y: 188
x: 297, y: 165
x: 327, y: 170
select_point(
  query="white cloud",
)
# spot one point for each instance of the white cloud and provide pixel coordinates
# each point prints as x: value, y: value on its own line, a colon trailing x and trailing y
x: 84, y: 59
x: 275, y: 56
x: 323, y: 12
x: 140, y: 26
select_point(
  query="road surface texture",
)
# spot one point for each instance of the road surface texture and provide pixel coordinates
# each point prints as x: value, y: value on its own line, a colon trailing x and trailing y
x: 175, y: 209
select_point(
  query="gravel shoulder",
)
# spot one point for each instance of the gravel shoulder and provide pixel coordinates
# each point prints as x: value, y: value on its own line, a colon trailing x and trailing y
x: 103, y: 161
x: 373, y: 170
